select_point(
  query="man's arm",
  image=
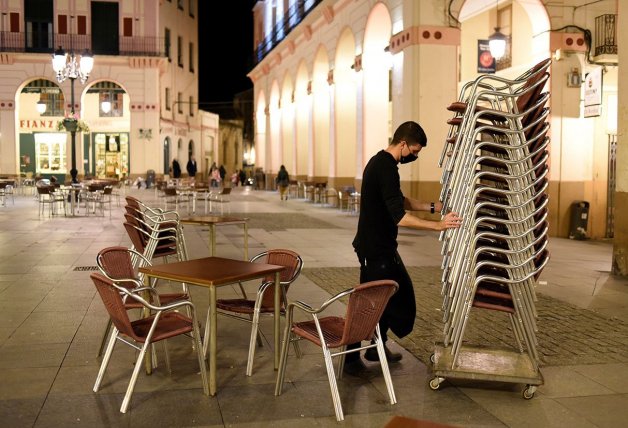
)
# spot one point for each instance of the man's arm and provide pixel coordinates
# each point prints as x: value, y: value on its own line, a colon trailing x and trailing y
x: 416, y: 205
x: 450, y: 220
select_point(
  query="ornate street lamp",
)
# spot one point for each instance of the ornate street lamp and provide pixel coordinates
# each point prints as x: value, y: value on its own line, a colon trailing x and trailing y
x: 66, y: 66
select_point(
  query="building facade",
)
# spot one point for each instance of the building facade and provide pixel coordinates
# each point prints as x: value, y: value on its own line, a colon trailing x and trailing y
x: 333, y: 79
x: 139, y: 104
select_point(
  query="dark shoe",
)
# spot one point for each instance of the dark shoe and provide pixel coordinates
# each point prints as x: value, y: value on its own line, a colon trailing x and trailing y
x: 357, y: 368
x: 392, y: 357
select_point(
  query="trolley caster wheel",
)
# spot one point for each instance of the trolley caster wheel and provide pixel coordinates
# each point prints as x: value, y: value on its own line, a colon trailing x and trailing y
x: 528, y: 392
x: 435, y: 383
x: 432, y: 358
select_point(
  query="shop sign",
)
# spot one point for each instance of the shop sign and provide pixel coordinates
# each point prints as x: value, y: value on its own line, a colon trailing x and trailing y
x: 486, y: 62
x: 37, y: 124
x: 593, y: 93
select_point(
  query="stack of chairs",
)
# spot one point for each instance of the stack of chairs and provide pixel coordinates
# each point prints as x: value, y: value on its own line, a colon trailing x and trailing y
x: 495, y: 176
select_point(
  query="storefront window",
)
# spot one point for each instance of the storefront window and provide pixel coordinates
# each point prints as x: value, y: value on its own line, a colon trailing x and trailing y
x: 111, y: 151
x: 50, y: 153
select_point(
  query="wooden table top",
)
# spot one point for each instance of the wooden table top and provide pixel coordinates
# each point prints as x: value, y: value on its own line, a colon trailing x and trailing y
x: 213, y: 219
x: 211, y: 271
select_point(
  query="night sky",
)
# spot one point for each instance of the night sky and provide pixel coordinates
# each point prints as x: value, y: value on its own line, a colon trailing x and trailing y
x: 225, y: 49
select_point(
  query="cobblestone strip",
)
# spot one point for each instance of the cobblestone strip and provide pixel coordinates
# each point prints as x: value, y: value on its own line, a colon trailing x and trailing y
x: 566, y: 334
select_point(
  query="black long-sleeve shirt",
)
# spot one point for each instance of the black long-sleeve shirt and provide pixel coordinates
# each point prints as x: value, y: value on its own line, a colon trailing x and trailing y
x: 381, y: 208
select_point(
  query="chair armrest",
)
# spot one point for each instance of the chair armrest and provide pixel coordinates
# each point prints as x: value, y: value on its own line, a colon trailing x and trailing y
x: 307, y: 308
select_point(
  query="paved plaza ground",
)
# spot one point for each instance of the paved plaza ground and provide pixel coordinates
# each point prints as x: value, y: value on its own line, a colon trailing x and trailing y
x: 53, y: 320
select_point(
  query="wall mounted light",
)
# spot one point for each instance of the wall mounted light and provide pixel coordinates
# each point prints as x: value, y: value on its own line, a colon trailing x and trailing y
x: 41, y: 107
x: 574, y: 80
x: 497, y: 44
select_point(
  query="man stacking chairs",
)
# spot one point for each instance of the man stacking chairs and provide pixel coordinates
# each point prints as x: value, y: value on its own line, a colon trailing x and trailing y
x: 495, y: 176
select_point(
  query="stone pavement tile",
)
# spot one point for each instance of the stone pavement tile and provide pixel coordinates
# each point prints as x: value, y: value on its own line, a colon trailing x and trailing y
x: 182, y: 408
x: 602, y: 411
x: 32, y: 355
x: 18, y: 413
x: 47, y: 327
x: 564, y: 381
x: 89, y: 410
x: 505, y: 402
x: 612, y: 376
x: 26, y: 383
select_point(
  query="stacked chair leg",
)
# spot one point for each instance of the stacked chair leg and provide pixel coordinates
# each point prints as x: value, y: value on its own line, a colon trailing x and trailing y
x: 495, y: 176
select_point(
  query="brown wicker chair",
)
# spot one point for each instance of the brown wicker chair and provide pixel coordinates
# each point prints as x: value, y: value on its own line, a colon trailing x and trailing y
x: 366, y: 305
x: 118, y: 263
x: 249, y: 310
x: 164, y: 323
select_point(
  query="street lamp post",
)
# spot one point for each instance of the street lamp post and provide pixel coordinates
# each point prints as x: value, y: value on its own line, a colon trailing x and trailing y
x: 66, y: 66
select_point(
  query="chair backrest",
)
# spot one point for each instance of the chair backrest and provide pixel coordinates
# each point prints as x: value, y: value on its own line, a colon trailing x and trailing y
x: 293, y: 263
x: 107, y: 190
x: 170, y: 191
x: 133, y: 202
x: 115, y: 262
x: 366, y: 306
x: 114, y: 304
x: 137, y: 238
x: 225, y: 191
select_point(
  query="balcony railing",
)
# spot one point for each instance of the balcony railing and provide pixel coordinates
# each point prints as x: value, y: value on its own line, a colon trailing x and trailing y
x: 293, y: 17
x: 606, y: 35
x: 126, y: 46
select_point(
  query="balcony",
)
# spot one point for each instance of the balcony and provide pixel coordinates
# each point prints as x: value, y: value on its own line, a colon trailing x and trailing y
x: 47, y: 43
x: 605, y: 49
x: 292, y: 18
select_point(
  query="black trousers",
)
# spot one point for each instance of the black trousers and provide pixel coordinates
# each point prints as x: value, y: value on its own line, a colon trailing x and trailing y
x: 400, y: 312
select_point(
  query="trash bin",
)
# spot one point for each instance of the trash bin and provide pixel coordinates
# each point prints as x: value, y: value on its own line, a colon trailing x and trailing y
x: 579, y: 220
x: 150, y: 178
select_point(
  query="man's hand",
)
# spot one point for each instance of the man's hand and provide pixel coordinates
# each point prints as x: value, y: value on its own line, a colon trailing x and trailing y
x: 450, y: 221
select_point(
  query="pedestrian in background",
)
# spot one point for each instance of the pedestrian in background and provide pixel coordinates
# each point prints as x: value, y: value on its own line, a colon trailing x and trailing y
x: 191, y: 167
x: 176, y: 169
x: 283, y: 180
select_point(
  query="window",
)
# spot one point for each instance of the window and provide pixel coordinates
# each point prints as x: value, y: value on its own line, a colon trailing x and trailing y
x: 115, y: 98
x: 81, y: 24
x: 180, y: 51
x: 191, y: 8
x: 191, y: 57
x: 191, y: 106
x: 167, y: 98
x: 62, y: 24
x: 167, y: 44
x: 180, y: 4
x: 180, y: 102
x: 53, y: 98
x: 127, y: 27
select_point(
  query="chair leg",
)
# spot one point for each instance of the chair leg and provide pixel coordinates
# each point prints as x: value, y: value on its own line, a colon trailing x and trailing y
x: 283, y: 359
x: 167, y: 357
x: 333, y: 385
x: 253, y: 339
x: 384, y: 363
x: 341, y: 362
x: 105, y: 336
x: 133, y: 381
x: 105, y: 360
x: 199, y: 353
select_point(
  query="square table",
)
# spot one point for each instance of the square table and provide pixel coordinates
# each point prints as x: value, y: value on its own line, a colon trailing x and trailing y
x: 212, y: 221
x: 212, y: 272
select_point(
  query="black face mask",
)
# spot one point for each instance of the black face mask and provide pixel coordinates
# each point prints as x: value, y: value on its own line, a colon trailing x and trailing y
x: 411, y: 157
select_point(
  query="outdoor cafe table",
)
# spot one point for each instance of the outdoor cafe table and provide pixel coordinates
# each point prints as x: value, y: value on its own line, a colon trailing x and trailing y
x: 71, y: 193
x: 212, y: 221
x: 212, y: 272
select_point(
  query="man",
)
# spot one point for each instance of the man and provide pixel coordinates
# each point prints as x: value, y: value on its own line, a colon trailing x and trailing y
x: 191, y: 167
x: 382, y: 210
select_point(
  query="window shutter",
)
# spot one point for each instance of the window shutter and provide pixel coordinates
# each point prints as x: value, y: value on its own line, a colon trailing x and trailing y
x: 62, y: 24
x: 15, y: 22
x: 82, y: 24
x: 127, y: 25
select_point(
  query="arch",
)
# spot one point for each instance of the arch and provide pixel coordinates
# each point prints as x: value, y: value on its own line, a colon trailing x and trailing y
x: 260, y: 131
x: 166, y: 151
x: 288, y: 131
x: 190, y: 149
x: 321, y: 109
x: 376, y: 75
x: 275, y: 127
x: 345, y: 108
x: 302, y: 101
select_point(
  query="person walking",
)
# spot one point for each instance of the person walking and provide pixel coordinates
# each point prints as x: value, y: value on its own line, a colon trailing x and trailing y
x: 283, y: 180
x: 382, y: 211
x: 191, y: 167
x: 176, y: 169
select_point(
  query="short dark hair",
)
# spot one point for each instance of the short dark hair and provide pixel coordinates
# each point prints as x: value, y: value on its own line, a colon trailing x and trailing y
x: 411, y: 132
